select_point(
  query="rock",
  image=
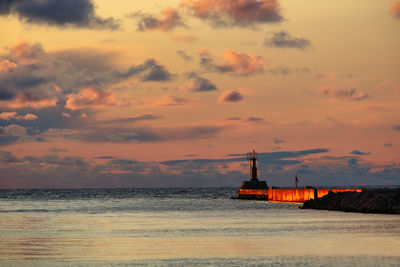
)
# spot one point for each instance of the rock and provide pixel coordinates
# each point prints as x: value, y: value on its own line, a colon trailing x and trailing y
x: 385, y: 201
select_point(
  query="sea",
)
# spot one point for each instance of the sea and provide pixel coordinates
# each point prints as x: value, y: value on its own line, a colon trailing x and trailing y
x: 185, y: 227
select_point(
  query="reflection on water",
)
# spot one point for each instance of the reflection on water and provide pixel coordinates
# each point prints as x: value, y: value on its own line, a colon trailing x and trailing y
x: 181, y: 227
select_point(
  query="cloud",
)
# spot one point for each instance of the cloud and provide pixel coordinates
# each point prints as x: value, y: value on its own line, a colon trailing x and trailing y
x: 57, y: 150
x: 183, y: 55
x: 143, y: 134
x: 12, y: 133
x: 284, y: 39
x: 242, y: 13
x: 198, y: 84
x: 343, y: 94
x: 29, y: 100
x: 53, y: 171
x: 244, y: 63
x: 395, y: 9
x: 183, y: 38
x: 396, y: 127
x: 90, y: 97
x: 230, y: 96
x: 358, y: 152
x: 77, y: 13
x: 233, y: 62
x: 169, y: 100
x: 6, y: 65
x: 43, y: 79
x: 15, y: 116
x: 244, y: 120
x: 149, y: 70
x: 166, y: 21
x: 287, y: 71
x: 388, y: 145
x: 279, y: 141
x: 143, y: 117
x: 27, y: 53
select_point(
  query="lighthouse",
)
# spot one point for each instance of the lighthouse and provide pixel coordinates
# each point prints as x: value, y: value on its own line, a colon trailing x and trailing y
x: 253, y: 189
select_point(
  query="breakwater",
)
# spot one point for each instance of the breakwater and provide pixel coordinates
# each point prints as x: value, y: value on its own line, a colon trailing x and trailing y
x: 296, y: 195
x: 368, y: 201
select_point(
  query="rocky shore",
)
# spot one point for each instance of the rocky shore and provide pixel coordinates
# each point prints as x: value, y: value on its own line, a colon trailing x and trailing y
x: 385, y: 201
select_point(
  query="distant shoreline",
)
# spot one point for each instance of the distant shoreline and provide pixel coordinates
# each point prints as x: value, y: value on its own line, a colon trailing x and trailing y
x: 382, y: 201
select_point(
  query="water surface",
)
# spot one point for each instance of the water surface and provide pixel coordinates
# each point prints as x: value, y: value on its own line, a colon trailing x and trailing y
x: 185, y: 227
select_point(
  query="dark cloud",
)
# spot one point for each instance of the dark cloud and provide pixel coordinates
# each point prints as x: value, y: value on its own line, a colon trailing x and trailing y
x: 358, y: 152
x: 388, y: 145
x: 242, y: 13
x: 284, y: 71
x: 284, y: 39
x: 183, y: 55
x: 149, y: 70
x: 5, y: 94
x: 52, y: 171
x: 40, y: 79
x: 396, y: 127
x: 57, y: 150
x: 144, y: 134
x: 198, y: 84
x: 254, y: 119
x: 344, y: 94
x: 166, y: 21
x: 353, y: 162
x: 76, y: 13
x: 133, y: 119
x: 279, y: 141
x: 105, y: 157
x: 230, y: 96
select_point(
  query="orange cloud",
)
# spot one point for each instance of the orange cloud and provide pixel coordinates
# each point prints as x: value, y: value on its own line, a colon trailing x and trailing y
x: 6, y: 65
x: 170, y: 100
x: 90, y: 97
x: 344, y: 94
x: 168, y: 20
x: 230, y: 96
x: 28, y: 100
x: 245, y: 63
x: 234, y: 12
x: 14, y: 115
x: 395, y: 9
x: 27, y: 53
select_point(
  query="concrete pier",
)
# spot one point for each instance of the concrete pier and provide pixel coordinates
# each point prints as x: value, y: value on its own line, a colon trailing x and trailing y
x: 294, y: 195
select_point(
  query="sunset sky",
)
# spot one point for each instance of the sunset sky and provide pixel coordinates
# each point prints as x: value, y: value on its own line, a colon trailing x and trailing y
x: 99, y: 93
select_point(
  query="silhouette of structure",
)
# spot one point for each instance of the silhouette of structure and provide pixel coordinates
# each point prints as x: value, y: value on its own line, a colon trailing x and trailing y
x: 253, y: 189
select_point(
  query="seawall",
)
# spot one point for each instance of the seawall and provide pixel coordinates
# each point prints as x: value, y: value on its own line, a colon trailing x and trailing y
x: 295, y: 195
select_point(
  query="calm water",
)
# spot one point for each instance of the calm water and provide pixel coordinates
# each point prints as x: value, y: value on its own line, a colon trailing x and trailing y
x: 185, y: 227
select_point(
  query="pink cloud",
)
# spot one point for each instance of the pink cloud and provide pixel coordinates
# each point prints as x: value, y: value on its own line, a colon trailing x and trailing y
x: 234, y: 12
x: 230, y: 96
x: 245, y: 63
x: 395, y: 9
x: 166, y: 21
x: 90, y: 97
x: 27, y: 53
x: 6, y: 65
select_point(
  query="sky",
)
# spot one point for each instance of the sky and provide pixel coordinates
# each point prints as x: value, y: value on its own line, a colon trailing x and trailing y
x: 98, y: 93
